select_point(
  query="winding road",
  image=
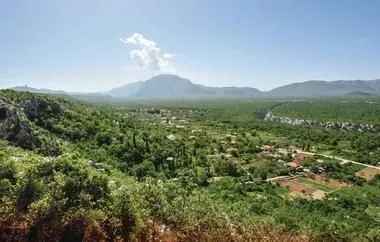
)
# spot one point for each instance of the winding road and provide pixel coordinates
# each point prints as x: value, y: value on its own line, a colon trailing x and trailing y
x: 338, y: 158
x: 349, y: 161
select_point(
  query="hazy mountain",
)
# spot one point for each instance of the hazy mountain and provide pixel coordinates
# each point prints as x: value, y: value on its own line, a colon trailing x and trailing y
x: 359, y: 93
x: 172, y: 86
x: 127, y: 90
x: 324, y: 88
x: 78, y: 95
x: 169, y: 86
x: 238, y: 91
x: 37, y: 90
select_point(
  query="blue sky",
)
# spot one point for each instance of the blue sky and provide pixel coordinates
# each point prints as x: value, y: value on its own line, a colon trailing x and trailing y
x: 76, y: 45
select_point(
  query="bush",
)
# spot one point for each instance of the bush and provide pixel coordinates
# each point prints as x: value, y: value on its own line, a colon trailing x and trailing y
x: 28, y: 191
x: 8, y: 171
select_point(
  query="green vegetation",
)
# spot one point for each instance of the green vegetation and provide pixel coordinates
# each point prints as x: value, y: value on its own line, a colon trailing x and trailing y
x: 175, y: 170
x: 358, y: 110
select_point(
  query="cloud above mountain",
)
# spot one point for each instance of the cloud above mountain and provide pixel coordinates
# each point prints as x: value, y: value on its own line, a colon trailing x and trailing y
x: 147, y: 55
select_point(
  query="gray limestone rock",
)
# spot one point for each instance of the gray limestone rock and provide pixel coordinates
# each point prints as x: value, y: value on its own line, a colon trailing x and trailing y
x: 13, y: 129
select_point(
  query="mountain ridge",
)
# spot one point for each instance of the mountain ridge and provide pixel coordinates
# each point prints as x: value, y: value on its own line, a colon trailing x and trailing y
x: 173, y: 86
x: 326, y: 88
x: 163, y: 86
x: 51, y: 91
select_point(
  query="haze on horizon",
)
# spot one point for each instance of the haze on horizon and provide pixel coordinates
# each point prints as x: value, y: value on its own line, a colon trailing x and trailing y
x: 88, y: 46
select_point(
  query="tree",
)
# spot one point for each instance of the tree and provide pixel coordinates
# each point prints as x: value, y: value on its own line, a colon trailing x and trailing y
x: 134, y: 138
x: 235, y: 153
x: 146, y: 139
x: 261, y: 173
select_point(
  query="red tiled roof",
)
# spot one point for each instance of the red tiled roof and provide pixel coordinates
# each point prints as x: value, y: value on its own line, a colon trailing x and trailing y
x: 292, y: 164
x: 267, y: 147
x: 298, y: 159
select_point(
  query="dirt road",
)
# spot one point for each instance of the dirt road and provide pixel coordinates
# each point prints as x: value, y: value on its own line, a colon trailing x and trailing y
x: 343, y: 161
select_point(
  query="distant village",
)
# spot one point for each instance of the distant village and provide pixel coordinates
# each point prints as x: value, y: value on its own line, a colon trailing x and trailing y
x: 347, y: 126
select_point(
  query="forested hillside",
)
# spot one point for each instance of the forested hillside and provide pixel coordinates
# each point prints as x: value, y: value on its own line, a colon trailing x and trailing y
x: 325, y: 88
x: 183, y: 171
x: 356, y: 110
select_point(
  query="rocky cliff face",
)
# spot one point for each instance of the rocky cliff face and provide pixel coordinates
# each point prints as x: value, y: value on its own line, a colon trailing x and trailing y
x: 13, y: 129
x: 347, y: 126
x: 40, y: 110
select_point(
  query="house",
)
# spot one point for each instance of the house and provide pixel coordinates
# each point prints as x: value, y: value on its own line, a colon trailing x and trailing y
x: 296, y: 163
x: 299, y: 159
x: 267, y: 147
x: 293, y: 164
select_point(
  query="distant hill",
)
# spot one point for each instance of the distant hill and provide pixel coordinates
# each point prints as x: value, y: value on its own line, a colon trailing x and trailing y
x: 130, y: 89
x: 324, y: 88
x: 37, y: 90
x: 359, y: 93
x: 169, y: 86
x: 77, y: 95
x: 172, y: 86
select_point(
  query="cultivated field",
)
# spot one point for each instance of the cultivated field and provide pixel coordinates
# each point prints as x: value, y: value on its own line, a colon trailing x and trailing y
x: 315, y: 188
x: 368, y: 173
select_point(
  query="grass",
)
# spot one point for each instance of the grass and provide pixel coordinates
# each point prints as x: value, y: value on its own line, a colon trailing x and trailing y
x: 319, y: 186
x: 373, y: 212
x: 269, y: 136
x: 256, y: 163
x: 281, y: 190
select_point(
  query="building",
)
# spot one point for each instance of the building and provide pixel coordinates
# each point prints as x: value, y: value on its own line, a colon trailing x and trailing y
x: 296, y: 163
x: 267, y: 147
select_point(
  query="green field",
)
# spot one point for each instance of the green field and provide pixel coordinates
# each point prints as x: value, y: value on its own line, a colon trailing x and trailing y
x: 374, y: 212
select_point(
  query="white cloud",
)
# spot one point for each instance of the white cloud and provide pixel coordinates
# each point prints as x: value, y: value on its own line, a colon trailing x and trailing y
x: 147, y: 55
x: 168, y: 55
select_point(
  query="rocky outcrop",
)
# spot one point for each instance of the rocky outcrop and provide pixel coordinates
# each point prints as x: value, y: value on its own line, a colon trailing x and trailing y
x: 13, y: 129
x: 347, y: 126
x: 40, y: 110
